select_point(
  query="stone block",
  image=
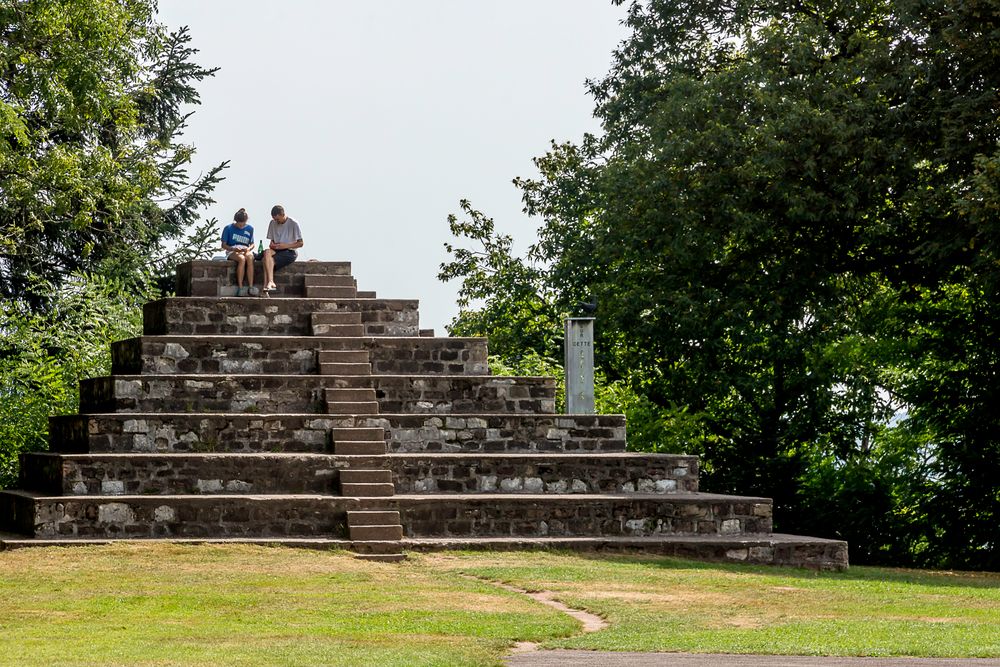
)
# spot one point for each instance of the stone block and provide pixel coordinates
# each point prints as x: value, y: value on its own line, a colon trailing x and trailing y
x: 217, y: 393
x: 208, y: 278
x: 282, y: 317
x: 180, y: 516
x: 490, y: 515
x: 519, y: 432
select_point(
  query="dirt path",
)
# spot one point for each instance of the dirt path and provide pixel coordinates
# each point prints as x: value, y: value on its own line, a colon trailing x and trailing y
x: 591, y: 622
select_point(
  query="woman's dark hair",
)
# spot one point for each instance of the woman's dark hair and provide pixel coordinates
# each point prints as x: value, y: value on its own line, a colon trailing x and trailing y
x: 277, y: 209
x: 241, y: 215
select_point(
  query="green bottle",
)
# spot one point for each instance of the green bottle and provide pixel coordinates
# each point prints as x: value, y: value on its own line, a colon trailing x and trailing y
x: 260, y: 247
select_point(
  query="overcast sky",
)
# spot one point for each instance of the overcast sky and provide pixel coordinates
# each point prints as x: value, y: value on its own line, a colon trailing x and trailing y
x: 369, y: 121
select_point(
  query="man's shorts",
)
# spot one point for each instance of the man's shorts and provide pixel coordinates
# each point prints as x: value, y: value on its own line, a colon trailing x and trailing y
x: 283, y: 258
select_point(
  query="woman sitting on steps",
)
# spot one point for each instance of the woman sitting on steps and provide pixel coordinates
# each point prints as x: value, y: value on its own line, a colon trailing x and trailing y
x: 237, y: 241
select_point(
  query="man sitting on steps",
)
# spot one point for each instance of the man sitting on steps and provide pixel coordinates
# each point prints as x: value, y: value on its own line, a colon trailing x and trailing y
x: 285, y: 237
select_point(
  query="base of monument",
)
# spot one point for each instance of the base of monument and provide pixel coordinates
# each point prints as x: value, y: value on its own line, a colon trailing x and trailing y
x: 772, y: 549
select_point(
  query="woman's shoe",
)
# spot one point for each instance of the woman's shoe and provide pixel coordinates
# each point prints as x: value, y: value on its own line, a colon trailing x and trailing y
x: 239, y: 291
x: 253, y: 291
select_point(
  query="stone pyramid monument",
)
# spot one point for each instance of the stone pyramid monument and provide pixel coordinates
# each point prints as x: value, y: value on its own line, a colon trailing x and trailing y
x: 324, y: 417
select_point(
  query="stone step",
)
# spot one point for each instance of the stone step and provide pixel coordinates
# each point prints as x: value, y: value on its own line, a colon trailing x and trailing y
x: 319, y: 292
x: 304, y: 393
x: 174, y: 432
x: 767, y: 549
x: 364, y: 448
x: 367, y: 490
x: 336, y: 317
x: 427, y: 356
x: 421, y: 516
x: 206, y: 278
x: 427, y: 333
x: 345, y: 369
x: 391, y: 354
x: 338, y: 330
x: 382, y: 533
x: 372, y: 433
x: 278, y: 316
x: 185, y: 433
x: 366, y: 295
x: 181, y: 474
x: 222, y: 473
x: 242, y: 473
x: 329, y: 281
x: 389, y: 551
x: 771, y: 549
x: 581, y: 515
x: 455, y: 393
x: 366, y: 476
x: 376, y: 547
x: 205, y: 393
x: 293, y: 394
x: 344, y: 356
x: 352, y: 407
x: 195, y: 516
x: 339, y: 394
x: 372, y: 518
x: 580, y: 473
x: 498, y: 433
x: 283, y: 355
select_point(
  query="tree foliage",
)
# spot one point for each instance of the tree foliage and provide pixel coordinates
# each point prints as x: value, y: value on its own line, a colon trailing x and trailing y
x: 520, y: 322
x: 92, y: 169
x: 95, y: 198
x: 43, y: 356
x: 789, y: 221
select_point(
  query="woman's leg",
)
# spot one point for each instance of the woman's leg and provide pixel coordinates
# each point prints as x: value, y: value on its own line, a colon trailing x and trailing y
x: 240, y: 267
x: 249, y: 261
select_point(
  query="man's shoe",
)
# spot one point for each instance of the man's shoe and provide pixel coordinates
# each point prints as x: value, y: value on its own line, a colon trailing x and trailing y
x: 253, y: 291
x: 238, y: 292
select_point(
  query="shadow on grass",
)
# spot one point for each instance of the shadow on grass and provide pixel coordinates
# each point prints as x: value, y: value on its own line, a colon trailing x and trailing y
x: 939, y: 578
x: 944, y: 578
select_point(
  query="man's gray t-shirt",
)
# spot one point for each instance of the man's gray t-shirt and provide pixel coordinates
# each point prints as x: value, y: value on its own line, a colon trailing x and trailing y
x: 287, y: 232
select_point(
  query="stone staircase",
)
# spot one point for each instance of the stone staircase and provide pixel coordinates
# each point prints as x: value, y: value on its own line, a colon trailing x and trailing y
x: 325, y: 417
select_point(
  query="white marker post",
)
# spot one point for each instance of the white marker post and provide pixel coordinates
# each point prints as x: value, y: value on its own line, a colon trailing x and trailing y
x: 580, y: 366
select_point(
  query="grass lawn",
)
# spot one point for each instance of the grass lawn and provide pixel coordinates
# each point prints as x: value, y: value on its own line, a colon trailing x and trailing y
x: 671, y: 605
x: 243, y: 605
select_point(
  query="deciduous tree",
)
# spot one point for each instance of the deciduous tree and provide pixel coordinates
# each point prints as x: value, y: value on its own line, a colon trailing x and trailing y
x: 92, y: 166
x: 789, y: 222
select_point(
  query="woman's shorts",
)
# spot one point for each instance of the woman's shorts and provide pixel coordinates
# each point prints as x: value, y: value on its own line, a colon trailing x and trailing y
x: 283, y: 258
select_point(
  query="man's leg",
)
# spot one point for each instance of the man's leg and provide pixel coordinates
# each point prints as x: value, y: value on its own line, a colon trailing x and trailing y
x: 283, y: 258
x: 268, y: 269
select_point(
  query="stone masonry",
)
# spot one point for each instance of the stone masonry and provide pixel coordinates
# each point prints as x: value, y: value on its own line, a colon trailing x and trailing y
x: 325, y: 417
